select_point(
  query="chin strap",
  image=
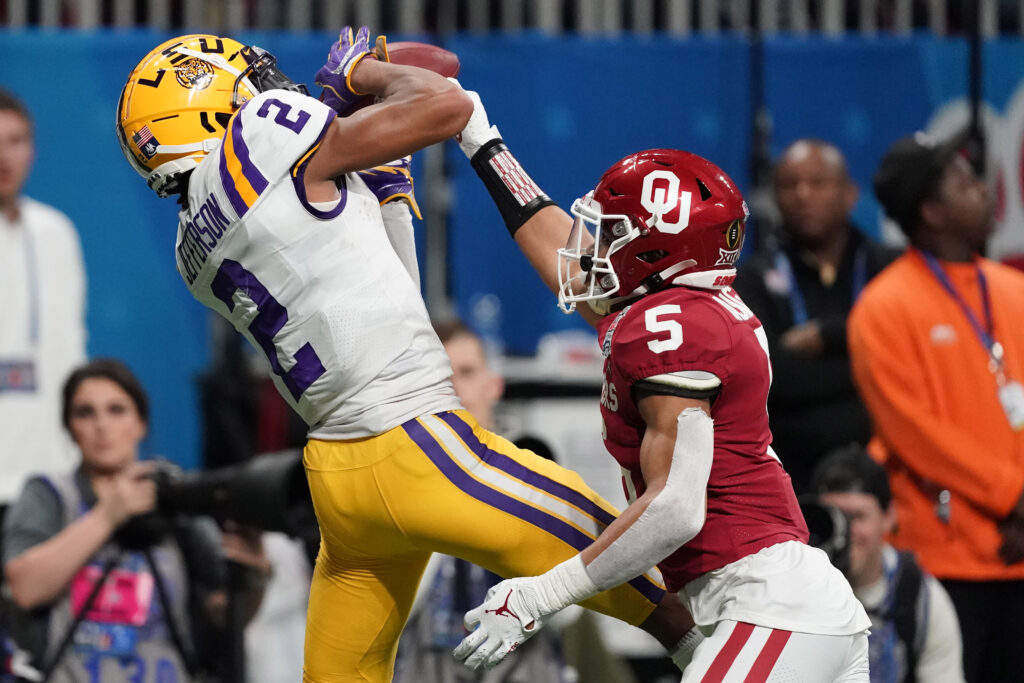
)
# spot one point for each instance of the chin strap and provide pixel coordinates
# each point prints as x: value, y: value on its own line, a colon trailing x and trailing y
x: 650, y: 284
x: 207, y: 146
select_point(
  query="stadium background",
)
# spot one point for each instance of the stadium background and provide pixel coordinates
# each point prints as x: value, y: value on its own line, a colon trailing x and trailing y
x: 570, y: 97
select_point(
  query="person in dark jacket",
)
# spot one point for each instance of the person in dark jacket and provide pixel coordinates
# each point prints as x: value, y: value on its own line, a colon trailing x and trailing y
x: 802, y: 289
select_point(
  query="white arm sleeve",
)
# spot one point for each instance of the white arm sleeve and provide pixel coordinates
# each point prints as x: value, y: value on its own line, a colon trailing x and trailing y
x: 399, y: 228
x: 675, y: 515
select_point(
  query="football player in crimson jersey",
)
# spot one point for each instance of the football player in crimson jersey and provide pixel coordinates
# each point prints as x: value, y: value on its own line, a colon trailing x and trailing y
x: 283, y: 232
x: 651, y: 255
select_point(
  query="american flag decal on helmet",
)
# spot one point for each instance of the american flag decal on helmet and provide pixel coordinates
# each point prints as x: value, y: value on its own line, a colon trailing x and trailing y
x: 146, y: 143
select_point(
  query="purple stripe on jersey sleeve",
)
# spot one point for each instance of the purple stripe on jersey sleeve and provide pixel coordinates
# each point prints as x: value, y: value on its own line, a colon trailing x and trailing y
x: 251, y: 173
x: 525, y: 474
x: 496, y: 499
x: 299, y: 180
x: 237, y: 203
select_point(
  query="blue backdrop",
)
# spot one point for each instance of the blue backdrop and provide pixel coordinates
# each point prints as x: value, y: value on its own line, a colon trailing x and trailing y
x: 568, y: 107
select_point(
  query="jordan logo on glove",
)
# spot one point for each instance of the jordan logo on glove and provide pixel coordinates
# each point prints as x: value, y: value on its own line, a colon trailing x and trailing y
x: 503, y: 610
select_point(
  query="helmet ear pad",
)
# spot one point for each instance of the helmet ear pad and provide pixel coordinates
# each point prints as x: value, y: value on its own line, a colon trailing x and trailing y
x: 176, y: 105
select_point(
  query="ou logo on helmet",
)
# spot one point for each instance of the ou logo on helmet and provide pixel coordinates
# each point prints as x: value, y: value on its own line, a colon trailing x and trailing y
x: 661, y: 196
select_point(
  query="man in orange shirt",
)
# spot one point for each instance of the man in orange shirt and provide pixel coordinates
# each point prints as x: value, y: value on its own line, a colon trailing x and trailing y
x: 937, y: 351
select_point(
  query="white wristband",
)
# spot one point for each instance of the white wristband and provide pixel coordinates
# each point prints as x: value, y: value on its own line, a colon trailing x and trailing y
x: 563, y: 585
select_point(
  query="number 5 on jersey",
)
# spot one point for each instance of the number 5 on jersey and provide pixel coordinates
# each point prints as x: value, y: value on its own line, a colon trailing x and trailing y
x: 655, y: 324
x: 657, y: 321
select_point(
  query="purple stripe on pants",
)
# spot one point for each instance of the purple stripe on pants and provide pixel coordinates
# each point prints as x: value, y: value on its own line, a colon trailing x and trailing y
x: 498, y: 500
x: 525, y: 474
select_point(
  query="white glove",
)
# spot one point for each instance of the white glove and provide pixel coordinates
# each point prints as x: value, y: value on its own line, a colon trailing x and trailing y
x: 479, y: 130
x: 515, y: 609
x: 508, y: 616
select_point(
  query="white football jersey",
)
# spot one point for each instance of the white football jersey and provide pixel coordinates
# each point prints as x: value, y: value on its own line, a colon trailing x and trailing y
x: 319, y: 290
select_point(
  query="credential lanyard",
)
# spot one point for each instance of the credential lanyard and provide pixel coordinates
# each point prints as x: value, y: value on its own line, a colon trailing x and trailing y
x: 796, y: 297
x: 984, y: 333
x: 32, y: 271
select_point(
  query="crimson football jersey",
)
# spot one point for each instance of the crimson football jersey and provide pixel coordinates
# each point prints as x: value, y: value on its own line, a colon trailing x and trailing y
x: 750, y: 500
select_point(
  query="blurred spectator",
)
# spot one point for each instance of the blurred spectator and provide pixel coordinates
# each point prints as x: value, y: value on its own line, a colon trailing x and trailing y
x: 937, y: 351
x: 802, y: 290
x: 275, y: 636
x: 103, y: 586
x: 244, y: 416
x: 915, y: 635
x: 478, y: 387
x: 42, y: 297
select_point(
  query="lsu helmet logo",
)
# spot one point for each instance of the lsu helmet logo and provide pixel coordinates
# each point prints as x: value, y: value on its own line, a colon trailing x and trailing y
x: 194, y: 73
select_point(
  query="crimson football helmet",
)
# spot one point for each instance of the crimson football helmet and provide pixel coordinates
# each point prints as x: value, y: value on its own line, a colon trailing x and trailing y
x: 658, y: 217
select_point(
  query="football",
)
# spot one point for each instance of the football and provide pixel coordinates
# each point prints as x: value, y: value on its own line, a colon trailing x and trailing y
x: 424, y: 55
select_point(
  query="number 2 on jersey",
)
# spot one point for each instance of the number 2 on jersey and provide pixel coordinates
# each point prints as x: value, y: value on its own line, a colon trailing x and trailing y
x: 283, y: 110
x: 270, y: 318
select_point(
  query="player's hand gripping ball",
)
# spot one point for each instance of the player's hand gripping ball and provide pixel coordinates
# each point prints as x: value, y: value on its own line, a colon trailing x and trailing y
x: 336, y: 75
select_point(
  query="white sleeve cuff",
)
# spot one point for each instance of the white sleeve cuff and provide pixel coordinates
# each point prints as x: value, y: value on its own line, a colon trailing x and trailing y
x: 565, y: 584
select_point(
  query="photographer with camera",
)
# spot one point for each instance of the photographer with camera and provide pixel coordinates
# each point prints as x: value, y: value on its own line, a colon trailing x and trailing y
x: 105, y: 588
x: 915, y: 634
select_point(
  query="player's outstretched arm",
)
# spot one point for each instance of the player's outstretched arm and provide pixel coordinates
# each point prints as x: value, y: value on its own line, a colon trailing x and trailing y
x: 414, y: 108
x: 537, y: 224
x: 676, y: 456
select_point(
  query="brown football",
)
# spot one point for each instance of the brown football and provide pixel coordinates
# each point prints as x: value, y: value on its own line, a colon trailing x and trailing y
x: 424, y: 55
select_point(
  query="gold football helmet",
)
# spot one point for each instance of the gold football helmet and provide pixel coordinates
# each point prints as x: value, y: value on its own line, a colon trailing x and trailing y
x: 177, y: 102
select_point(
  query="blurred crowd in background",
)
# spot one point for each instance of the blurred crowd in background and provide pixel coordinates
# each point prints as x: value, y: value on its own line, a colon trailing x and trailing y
x: 892, y: 324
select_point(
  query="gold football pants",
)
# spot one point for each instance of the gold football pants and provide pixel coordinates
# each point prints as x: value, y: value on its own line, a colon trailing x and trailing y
x: 439, y: 483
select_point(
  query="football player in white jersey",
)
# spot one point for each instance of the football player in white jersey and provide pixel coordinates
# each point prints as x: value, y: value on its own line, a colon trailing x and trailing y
x: 282, y: 232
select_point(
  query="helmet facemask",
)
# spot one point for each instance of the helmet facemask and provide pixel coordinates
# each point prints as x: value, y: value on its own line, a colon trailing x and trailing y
x: 264, y: 75
x: 585, y: 271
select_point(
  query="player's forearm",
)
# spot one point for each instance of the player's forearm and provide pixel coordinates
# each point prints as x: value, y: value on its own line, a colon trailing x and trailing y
x: 383, y: 79
x: 433, y: 103
x: 668, y: 515
x: 540, y: 237
x: 646, y: 533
